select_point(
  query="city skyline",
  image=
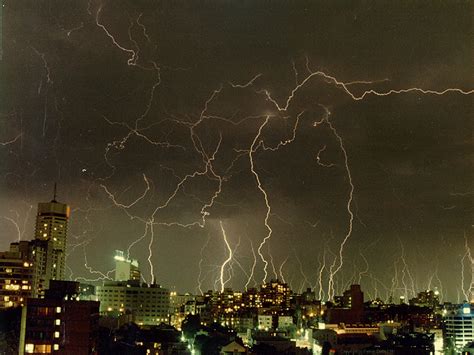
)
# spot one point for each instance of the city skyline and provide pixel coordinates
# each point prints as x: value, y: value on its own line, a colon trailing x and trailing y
x: 320, y: 144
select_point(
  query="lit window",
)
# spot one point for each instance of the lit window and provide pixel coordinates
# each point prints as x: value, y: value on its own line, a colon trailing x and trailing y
x: 58, y: 309
x: 57, y: 321
x: 56, y: 346
x: 30, y: 348
x: 56, y: 334
x: 45, y: 234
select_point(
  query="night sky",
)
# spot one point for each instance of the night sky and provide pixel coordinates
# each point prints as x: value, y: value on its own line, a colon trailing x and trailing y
x: 162, y: 121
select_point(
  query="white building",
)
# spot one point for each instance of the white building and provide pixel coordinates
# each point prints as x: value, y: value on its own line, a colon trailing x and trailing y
x: 125, y: 268
x: 459, y: 328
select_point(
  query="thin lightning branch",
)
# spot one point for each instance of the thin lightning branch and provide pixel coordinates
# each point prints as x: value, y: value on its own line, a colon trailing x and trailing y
x: 17, y: 227
x: 75, y: 29
x: 305, y: 278
x: 287, y: 141
x: 199, y: 279
x: 11, y: 141
x: 280, y: 270
x: 366, y: 270
x: 249, y: 83
x: 271, y: 262
x: 145, y: 34
x: 318, y: 159
x: 469, y: 293
x: 131, y: 52
x: 252, y: 270
x: 45, y: 64
x: 101, y: 276
x: 118, y: 204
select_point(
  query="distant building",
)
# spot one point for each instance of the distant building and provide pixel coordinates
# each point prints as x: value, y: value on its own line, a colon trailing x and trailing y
x: 148, y: 304
x: 125, y: 268
x: 59, y: 323
x: 285, y: 322
x: 265, y: 322
x: 428, y: 298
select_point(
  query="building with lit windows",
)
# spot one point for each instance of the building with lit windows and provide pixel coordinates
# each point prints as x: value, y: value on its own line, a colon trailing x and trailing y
x: 275, y: 294
x: 16, y: 275
x: 51, y: 225
x: 459, y: 328
x: 59, y: 323
x: 148, y: 304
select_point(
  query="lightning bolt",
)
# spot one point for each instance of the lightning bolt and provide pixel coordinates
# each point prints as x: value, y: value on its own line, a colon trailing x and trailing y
x: 325, y: 120
x: 265, y: 196
x: 252, y: 270
x: 229, y: 257
x: 469, y: 292
x: 345, y: 88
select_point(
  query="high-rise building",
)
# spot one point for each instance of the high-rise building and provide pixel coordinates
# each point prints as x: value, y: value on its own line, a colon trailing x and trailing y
x: 459, y: 328
x: 51, y: 225
x: 28, y: 266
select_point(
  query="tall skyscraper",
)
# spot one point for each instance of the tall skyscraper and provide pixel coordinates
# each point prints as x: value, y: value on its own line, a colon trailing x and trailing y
x: 51, y: 225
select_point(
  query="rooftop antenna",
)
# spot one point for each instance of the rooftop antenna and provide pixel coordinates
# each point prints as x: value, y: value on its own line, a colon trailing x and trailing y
x: 54, y: 193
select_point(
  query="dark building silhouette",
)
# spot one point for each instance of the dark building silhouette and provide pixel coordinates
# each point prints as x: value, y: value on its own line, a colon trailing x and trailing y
x: 349, y: 308
x: 59, y: 323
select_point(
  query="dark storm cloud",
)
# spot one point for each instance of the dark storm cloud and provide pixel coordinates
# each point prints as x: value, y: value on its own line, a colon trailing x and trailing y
x: 407, y: 153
